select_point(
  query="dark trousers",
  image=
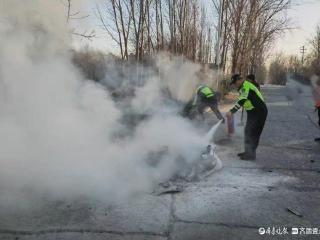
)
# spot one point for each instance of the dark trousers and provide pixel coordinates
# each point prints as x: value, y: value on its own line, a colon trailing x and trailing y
x: 253, y: 129
x: 318, y: 115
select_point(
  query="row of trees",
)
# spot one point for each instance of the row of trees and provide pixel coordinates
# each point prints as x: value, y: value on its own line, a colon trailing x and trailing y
x: 248, y: 28
x: 244, y: 29
x: 313, y: 58
x: 143, y: 27
x: 299, y: 67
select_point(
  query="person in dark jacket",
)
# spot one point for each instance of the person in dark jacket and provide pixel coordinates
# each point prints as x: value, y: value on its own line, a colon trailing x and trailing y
x: 252, y: 101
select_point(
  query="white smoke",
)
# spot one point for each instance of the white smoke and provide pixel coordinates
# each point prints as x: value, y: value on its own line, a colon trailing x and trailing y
x: 58, y: 129
x: 180, y: 76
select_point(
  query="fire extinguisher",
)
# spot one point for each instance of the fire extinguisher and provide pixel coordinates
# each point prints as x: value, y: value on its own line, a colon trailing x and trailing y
x: 230, y: 124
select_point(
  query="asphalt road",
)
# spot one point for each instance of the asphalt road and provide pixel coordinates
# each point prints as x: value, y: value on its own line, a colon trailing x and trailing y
x: 280, y: 190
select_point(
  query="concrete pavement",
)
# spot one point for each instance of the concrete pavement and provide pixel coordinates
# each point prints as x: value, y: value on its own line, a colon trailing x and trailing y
x: 231, y: 204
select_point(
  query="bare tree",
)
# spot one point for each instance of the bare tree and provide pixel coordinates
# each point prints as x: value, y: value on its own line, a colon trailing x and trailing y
x: 247, y: 28
x: 77, y: 16
x: 115, y: 18
x: 315, y: 45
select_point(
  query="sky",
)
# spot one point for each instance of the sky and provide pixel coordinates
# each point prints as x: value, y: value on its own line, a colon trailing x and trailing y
x: 304, y: 16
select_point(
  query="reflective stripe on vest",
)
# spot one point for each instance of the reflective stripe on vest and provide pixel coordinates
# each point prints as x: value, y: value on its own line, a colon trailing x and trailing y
x: 244, y: 92
x: 207, y: 92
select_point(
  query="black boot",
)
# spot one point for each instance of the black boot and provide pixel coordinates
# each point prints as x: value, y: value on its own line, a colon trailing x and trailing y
x: 240, y: 154
x: 248, y: 156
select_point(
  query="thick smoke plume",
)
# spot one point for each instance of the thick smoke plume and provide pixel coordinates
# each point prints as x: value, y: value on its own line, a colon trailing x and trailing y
x: 64, y: 136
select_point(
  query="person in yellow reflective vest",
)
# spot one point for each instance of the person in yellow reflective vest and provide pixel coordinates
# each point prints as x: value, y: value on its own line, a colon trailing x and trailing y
x: 252, y: 101
x: 206, y: 97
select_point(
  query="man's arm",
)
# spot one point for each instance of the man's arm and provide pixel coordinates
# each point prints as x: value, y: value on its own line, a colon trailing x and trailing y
x: 217, y: 113
x: 238, y: 105
x: 241, y: 100
x: 195, y: 100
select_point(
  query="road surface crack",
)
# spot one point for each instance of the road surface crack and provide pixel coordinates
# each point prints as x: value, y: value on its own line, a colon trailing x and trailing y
x: 74, y: 230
